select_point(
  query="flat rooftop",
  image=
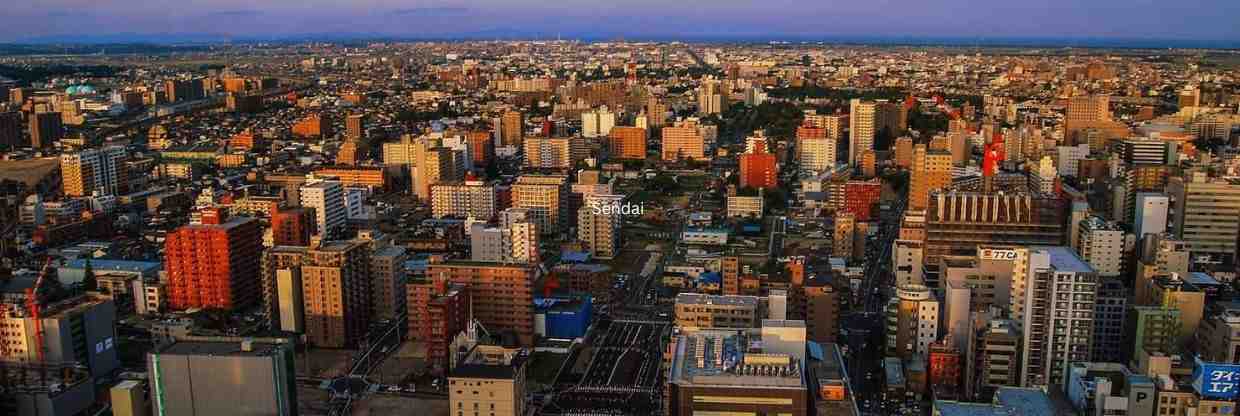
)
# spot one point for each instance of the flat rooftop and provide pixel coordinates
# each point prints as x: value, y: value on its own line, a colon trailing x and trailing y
x: 703, y: 299
x: 1063, y: 259
x: 222, y: 348
x: 717, y: 357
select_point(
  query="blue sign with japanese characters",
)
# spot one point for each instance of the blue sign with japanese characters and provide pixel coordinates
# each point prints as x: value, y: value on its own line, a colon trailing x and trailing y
x: 1216, y: 380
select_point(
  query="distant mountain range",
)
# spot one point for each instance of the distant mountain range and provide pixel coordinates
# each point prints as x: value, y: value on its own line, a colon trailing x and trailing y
x: 514, y: 33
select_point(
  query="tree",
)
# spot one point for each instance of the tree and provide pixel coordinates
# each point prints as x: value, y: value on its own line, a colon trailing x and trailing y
x: 89, y: 282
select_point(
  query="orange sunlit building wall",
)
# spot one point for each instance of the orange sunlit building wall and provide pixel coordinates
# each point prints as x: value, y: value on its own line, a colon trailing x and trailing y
x: 758, y: 170
x: 860, y: 197
x: 481, y: 147
x: 627, y: 143
x: 312, y: 126
x: 214, y: 264
x: 292, y: 227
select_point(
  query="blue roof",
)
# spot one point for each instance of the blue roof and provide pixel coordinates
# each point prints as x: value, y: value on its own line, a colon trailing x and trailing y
x: 115, y: 265
x: 1200, y: 279
x: 1026, y: 401
x: 815, y: 350
x: 953, y: 408
x: 710, y: 277
x: 575, y: 256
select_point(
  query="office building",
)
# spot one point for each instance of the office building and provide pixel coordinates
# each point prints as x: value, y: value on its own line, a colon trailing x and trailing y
x: 1151, y: 328
x: 912, y: 322
x: 683, y: 141
x: 994, y: 357
x: 1145, y: 151
x: 490, y: 380
x: 470, y: 199
x: 627, y: 143
x: 1205, y: 214
x: 216, y: 376
x: 546, y: 199
x: 338, y: 293
x: 214, y: 264
x: 815, y: 150
x: 502, y: 294
x: 45, y: 129
x: 326, y: 198
x: 94, y: 170
x: 862, y: 124
x: 1219, y: 337
x: 711, y: 311
x: 598, y: 225
x: 1053, y: 297
x: 554, y: 152
x: 1101, y: 245
x: 1110, y: 307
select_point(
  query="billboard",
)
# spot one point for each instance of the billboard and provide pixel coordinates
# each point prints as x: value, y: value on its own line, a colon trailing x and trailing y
x: 997, y: 254
x: 1216, y: 380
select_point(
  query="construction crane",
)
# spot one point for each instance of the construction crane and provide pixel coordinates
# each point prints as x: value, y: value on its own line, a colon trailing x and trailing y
x: 32, y: 305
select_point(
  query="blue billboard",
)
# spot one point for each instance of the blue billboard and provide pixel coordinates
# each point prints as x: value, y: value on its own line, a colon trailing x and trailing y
x: 1216, y: 380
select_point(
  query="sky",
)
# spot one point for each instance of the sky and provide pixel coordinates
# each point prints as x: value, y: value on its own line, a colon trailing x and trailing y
x: 1193, y: 20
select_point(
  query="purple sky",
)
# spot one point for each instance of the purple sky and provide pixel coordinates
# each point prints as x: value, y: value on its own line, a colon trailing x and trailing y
x: 1181, y: 20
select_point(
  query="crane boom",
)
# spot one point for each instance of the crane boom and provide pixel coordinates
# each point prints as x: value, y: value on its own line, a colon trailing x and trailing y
x: 32, y: 305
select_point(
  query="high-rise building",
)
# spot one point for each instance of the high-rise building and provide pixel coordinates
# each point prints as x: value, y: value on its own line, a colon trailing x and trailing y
x: 292, y: 227
x: 283, y: 301
x: 1090, y: 114
x: 823, y: 309
x: 711, y: 98
x: 833, y: 124
x: 470, y: 199
x: 554, y: 152
x: 214, y: 376
x: 336, y: 286
x: 11, y: 130
x: 994, y: 357
x: 1219, y: 337
x: 214, y: 264
x: 437, y: 164
x: 438, y: 312
x: 627, y: 143
x: 1145, y: 151
x: 1205, y: 214
x: 912, y: 322
x: 770, y: 378
x: 931, y: 170
x: 815, y: 150
x: 503, y: 298
x: 355, y: 126
x: 863, y: 116
x: 511, y: 242
x: 481, y: 147
x: 94, y: 170
x: 758, y: 170
x: 512, y: 126
x: 904, y: 152
x: 489, y: 380
x: 45, y: 129
x: 598, y: 225
x: 597, y: 123
x: 1053, y: 296
x: 183, y: 89
x: 387, y: 269
x: 1101, y: 245
x: 546, y: 199
x: 312, y: 126
x: 348, y: 153
x: 683, y: 140
x: 1110, y: 307
x: 1150, y: 214
x: 1151, y: 328
x: 326, y: 198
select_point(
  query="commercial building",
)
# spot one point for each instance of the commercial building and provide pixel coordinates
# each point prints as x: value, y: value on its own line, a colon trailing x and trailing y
x: 712, y: 311
x: 214, y: 264
x: 490, y: 380
x: 1219, y: 337
x: 744, y: 206
x: 546, y: 199
x: 1205, y: 214
x: 628, y: 143
x: 994, y: 357
x: 1110, y: 310
x: 77, y: 330
x: 213, y: 376
x: 912, y: 322
x: 45, y: 129
x: 730, y: 371
x: 502, y: 293
x: 337, y: 291
x: 94, y: 170
x: 683, y: 141
x: 470, y: 199
x: 1150, y: 214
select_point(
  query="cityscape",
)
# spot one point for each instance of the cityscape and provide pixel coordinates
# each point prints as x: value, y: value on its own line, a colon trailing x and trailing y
x: 494, y: 209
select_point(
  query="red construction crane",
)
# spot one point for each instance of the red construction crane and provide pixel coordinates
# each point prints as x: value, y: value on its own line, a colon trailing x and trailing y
x: 32, y: 304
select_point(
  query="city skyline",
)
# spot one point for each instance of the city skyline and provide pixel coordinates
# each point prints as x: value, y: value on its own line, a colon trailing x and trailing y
x: 942, y: 21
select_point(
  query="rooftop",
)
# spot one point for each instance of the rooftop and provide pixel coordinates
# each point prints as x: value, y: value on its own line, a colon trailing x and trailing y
x: 702, y: 299
x: 732, y: 358
x: 1063, y: 259
x: 221, y: 348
